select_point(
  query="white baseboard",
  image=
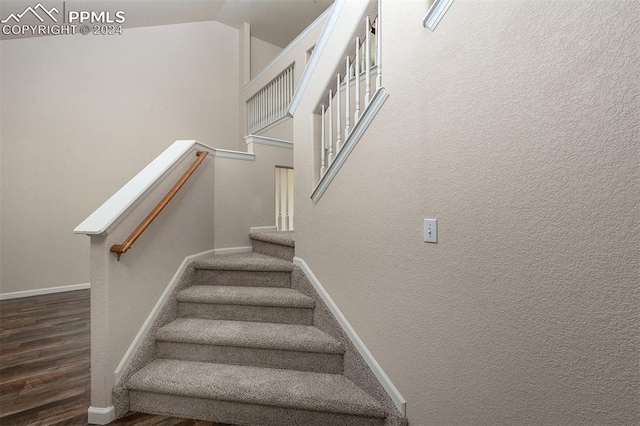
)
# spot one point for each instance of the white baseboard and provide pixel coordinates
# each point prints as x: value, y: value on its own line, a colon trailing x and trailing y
x: 232, y: 250
x: 40, y: 291
x: 262, y: 229
x: 101, y: 416
x: 384, y: 380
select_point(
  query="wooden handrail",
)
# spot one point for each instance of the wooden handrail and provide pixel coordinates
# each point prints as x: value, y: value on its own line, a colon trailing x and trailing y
x: 126, y: 245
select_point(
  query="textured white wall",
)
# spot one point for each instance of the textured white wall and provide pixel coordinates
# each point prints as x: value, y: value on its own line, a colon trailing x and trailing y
x: 245, y: 194
x: 82, y: 115
x: 513, y: 124
x: 261, y: 54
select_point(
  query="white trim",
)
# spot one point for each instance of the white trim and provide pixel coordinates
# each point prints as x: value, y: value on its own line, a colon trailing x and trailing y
x: 148, y: 323
x: 99, y: 221
x: 262, y: 140
x: 101, y: 416
x: 262, y: 229
x: 234, y: 155
x: 384, y: 380
x: 435, y: 13
x: 361, y: 126
x: 291, y: 45
x: 232, y: 250
x: 315, y: 56
x: 40, y: 291
x: 274, y: 123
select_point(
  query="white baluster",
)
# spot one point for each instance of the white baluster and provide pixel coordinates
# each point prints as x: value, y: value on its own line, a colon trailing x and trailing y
x: 356, y: 115
x: 272, y: 101
x: 347, y: 103
x: 281, y: 82
x: 338, y: 118
x: 265, y: 98
x: 330, y: 129
x: 291, y: 88
x: 277, y: 102
x: 323, y: 167
x: 367, y: 74
x: 288, y: 88
x: 379, y: 46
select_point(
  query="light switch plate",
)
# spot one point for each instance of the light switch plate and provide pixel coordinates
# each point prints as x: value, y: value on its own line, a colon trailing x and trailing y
x: 431, y: 230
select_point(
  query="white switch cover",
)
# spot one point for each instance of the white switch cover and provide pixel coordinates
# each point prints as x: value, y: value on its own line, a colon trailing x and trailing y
x: 431, y: 230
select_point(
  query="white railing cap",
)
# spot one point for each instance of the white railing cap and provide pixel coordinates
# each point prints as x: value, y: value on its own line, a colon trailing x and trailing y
x: 107, y: 214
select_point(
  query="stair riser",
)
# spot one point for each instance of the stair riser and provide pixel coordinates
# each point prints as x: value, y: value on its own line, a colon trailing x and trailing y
x: 243, y: 278
x: 239, y: 413
x: 281, y: 315
x: 268, y: 358
x: 273, y: 250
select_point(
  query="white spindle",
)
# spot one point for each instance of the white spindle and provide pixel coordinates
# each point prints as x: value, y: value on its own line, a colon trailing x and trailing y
x: 347, y: 103
x: 330, y: 129
x: 323, y: 167
x: 288, y: 88
x: 356, y: 115
x: 379, y: 46
x: 272, y: 100
x: 278, y: 100
x: 367, y: 56
x: 338, y: 116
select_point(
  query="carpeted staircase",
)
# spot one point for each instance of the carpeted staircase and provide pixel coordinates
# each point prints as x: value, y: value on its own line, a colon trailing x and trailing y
x: 243, y: 349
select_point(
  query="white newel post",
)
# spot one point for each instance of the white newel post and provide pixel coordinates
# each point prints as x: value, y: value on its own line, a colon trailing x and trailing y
x: 367, y: 67
x: 330, y: 129
x: 347, y: 103
x: 379, y: 46
x: 338, y: 114
x: 356, y: 115
x: 323, y: 167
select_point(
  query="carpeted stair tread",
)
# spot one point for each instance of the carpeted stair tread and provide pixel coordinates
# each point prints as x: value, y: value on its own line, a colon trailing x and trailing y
x: 253, y: 296
x: 255, y: 385
x: 284, y: 238
x: 301, y: 338
x: 244, y: 262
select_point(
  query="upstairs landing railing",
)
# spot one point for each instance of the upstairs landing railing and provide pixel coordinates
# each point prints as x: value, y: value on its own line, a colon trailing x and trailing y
x: 271, y: 103
x: 268, y: 95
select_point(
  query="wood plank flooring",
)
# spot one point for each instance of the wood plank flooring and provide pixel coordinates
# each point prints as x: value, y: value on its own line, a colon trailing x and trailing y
x: 44, y: 364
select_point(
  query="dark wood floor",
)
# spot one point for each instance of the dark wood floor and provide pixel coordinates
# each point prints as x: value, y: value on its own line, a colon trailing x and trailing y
x: 44, y: 363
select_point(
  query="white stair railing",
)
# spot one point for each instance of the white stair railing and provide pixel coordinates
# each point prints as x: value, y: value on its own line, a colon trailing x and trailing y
x: 339, y: 109
x: 271, y: 103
